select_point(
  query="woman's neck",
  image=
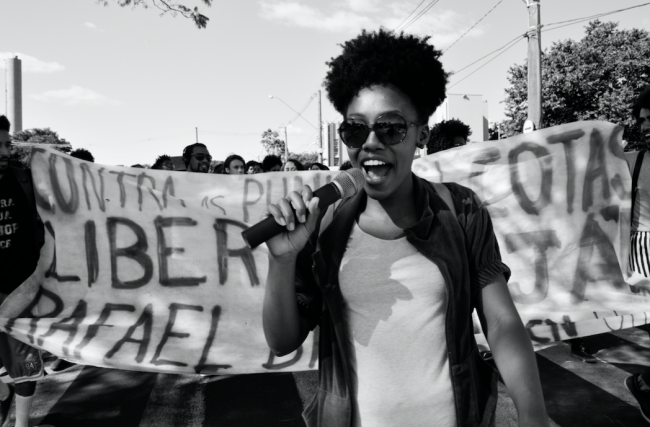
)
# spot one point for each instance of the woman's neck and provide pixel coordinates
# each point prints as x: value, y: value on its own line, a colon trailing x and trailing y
x: 399, y: 207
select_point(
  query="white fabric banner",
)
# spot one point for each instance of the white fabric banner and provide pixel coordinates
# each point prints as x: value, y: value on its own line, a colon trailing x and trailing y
x: 146, y: 270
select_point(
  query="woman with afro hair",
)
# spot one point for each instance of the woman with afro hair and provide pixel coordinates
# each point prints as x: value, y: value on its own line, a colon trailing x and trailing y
x: 392, y: 274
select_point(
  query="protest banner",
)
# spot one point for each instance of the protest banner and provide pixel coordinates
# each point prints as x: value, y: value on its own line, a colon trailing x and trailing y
x: 146, y: 270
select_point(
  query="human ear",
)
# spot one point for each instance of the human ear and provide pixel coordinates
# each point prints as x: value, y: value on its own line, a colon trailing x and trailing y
x: 423, y: 137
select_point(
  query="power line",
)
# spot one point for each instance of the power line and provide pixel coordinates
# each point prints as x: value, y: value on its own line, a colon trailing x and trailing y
x: 419, y: 15
x: 230, y: 133
x: 470, y: 29
x: 495, y: 57
x: 494, y: 51
x: 303, y: 110
x: 412, y: 12
x: 588, y: 18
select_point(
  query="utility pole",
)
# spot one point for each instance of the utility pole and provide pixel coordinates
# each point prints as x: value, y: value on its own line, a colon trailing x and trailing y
x: 197, y: 134
x: 286, y: 146
x: 320, y: 132
x: 534, y: 64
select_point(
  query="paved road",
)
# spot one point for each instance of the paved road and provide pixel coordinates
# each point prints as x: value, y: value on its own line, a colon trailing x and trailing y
x: 577, y: 394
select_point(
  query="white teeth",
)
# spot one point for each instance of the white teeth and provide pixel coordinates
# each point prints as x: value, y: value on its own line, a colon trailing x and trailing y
x: 374, y: 163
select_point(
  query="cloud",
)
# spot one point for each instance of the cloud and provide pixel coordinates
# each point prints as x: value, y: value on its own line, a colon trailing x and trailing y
x: 31, y: 64
x: 296, y: 14
x: 92, y: 26
x: 294, y: 129
x: 351, y: 16
x: 76, y: 95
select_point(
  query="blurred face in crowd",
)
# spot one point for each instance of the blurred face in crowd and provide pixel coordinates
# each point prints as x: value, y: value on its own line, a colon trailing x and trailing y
x: 644, y: 123
x: 290, y: 167
x: 200, y: 160
x: 254, y: 169
x: 275, y: 168
x: 5, y: 151
x: 167, y: 165
x: 236, y: 167
x: 314, y: 168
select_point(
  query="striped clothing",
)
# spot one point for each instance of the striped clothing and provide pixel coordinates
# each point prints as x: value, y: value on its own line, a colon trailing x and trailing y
x: 639, y: 256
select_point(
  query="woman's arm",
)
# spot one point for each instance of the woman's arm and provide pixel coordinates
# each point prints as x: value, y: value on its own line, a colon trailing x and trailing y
x: 513, y: 353
x: 284, y: 328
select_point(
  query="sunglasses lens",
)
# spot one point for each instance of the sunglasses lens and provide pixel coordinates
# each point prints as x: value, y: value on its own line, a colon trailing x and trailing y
x: 390, y: 133
x: 354, y: 135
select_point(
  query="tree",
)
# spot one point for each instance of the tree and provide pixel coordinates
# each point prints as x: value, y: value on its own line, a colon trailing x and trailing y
x: 272, y: 143
x: 168, y: 6
x: 23, y: 153
x: 444, y: 135
x: 596, y: 78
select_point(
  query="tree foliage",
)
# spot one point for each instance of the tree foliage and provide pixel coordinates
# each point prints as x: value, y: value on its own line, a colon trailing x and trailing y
x: 23, y: 152
x: 596, y: 78
x: 167, y: 6
x: 272, y: 143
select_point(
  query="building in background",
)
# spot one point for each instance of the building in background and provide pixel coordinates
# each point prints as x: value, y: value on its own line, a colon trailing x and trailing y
x: 469, y: 109
x: 14, y: 93
x: 335, y: 152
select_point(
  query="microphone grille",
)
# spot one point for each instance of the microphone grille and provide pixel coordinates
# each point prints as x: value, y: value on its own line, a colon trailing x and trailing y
x: 351, y: 181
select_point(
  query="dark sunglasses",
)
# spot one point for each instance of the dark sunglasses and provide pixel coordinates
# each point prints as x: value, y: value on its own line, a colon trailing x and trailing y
x: 391, y: 132
x: 200, y: 157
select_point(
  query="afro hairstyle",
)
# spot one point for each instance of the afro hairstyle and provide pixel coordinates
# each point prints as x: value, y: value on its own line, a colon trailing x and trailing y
x: 270, y: 161
x: 405, y: 62
x: 442, y: 135
x: 642, y: 101
x: 83, y: 154
x: 160, y: 160
x: 4, y: 123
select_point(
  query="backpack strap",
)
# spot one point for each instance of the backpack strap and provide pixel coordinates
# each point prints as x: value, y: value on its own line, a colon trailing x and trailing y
x: 635, y: 178
x: 445, y: 194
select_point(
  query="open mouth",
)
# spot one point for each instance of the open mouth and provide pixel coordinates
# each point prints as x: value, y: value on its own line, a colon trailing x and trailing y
x: 376, y: 169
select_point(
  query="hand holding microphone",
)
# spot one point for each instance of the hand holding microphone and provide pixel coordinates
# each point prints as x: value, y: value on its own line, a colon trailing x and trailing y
x: 295, y: 217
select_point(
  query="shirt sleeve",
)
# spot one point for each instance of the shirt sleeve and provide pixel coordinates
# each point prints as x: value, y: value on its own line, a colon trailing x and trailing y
x: 483, y: 249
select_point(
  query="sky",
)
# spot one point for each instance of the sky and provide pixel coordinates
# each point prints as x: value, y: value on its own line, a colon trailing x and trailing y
x: 129, y: 84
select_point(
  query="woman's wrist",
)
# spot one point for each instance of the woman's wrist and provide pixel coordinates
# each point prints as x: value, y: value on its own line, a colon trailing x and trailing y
x: 283, y: 260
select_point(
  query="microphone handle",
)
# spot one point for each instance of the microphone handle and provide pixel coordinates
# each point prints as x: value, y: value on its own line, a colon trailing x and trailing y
x: 269, y: 228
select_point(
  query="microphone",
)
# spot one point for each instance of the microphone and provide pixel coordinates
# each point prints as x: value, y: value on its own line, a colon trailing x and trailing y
x: 345, y: 184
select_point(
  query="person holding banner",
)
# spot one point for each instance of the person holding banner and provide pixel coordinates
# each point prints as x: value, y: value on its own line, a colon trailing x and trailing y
x: 21, y: 237
x: 639, y: 384
x: 392, y: 274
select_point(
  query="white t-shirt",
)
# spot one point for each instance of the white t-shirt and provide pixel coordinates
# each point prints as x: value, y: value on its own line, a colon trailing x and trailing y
x: 395, y: 303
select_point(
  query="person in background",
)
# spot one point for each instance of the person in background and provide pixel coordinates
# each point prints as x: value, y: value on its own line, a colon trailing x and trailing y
x: 197, y: 158
x: 253, y: 167
x: 293, y: 165
x: 83, y: 154
x: 392, y: 274
x: 20, y: 243
x: 448, y: 134
x: 272, y: 163
x: 639, y: 384
x: 163, y: 162
x: 218, y: 168
x: 234, y: 165
x: 345, y: 165
x: 317, y: 167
